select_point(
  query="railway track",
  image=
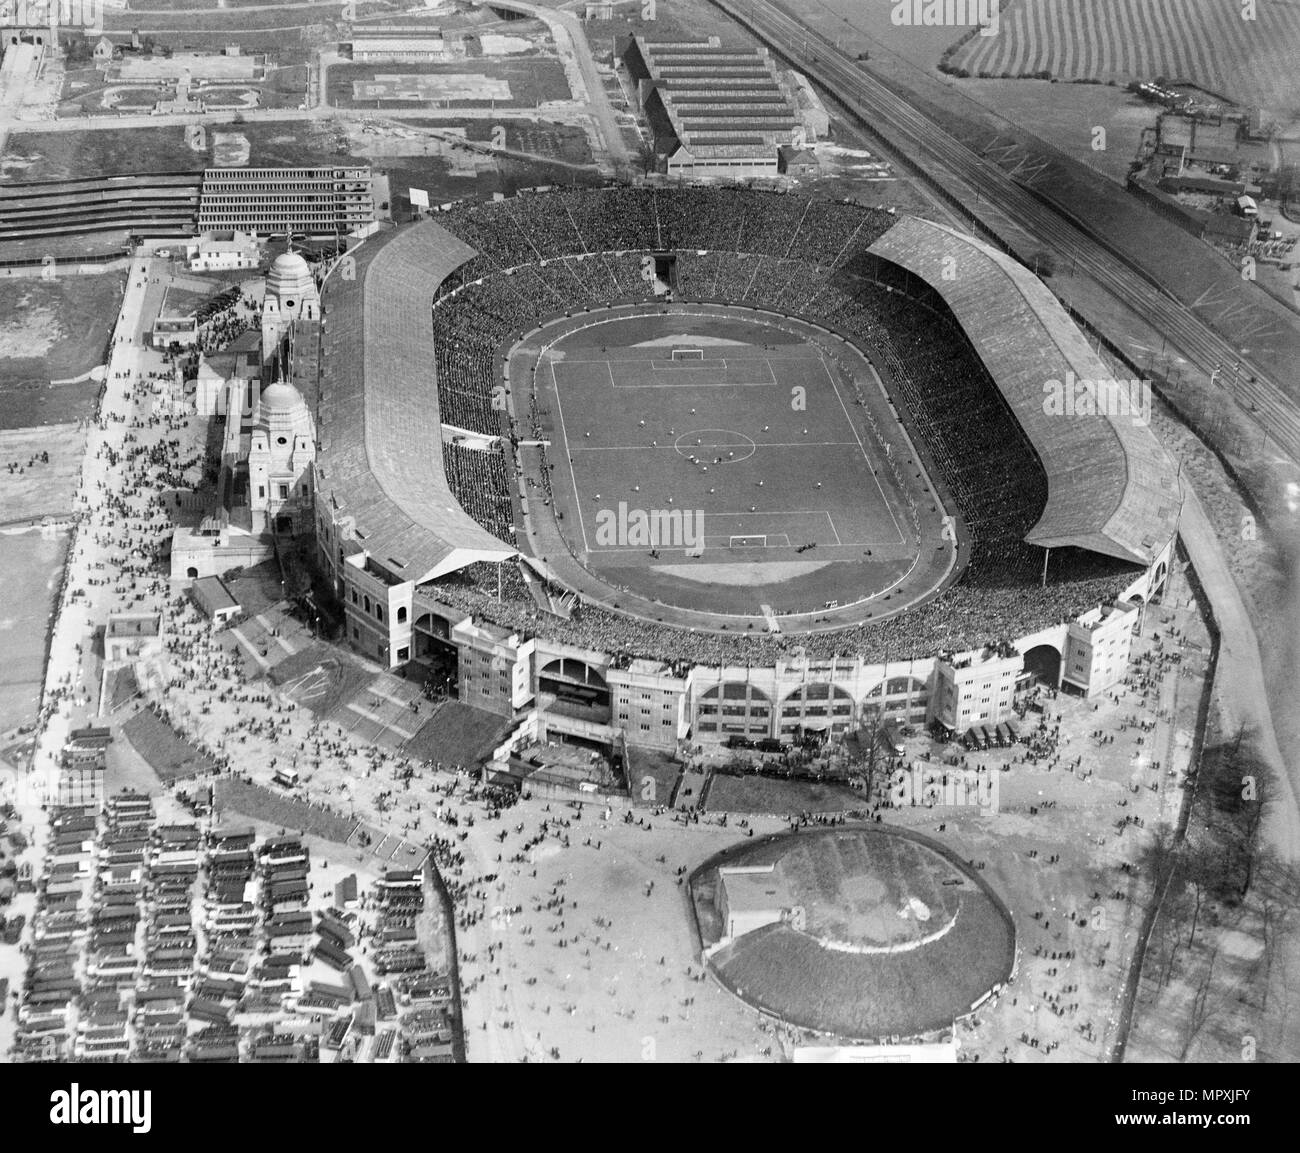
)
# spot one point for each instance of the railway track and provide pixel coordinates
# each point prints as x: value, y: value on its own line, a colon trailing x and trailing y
x: 913, y: 134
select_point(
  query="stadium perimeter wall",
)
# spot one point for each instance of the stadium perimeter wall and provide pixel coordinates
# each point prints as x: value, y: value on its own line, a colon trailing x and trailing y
x: 678, y: 688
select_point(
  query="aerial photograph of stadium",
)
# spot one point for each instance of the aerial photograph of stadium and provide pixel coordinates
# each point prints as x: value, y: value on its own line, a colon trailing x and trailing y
x: 649, y: 531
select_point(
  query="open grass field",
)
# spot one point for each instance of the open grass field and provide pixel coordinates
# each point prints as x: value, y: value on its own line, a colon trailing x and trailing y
x: 409, y: 156
x: 936, y: 947
x: 456, y: 734
x: 257, y: 588
x: 754, y: 794
x: 53, y: 330
x: 319, y: 679
x: 30, y: 564
x: 1205, y: 42
x: 126, y: 768
x: 741, y: 445
x: 169, y: 754
x: 234, y: 19
x: 41, y: 488
x: 234, y: 795
x: 1066, y: 113
x: 653, y: 776
x: 68, y: 155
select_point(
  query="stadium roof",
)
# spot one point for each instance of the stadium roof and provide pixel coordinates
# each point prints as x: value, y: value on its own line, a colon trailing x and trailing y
x: 381, y: 436
x: 1111, y: 487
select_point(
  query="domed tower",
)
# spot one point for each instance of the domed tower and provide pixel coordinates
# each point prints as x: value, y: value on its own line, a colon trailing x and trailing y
x: 291, y: 294
x: 281, y: 451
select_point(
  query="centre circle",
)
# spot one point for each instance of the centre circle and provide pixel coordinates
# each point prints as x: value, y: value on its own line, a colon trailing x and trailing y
x: 713, y: 446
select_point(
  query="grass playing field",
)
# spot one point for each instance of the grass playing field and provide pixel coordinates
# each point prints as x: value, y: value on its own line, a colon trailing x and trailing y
x: 875, y: 889
x: 719, y: 461
x: 53, y: 330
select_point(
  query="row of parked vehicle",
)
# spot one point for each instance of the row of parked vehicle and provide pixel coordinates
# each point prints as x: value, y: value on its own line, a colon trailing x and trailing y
x: 999, y: 736
x: 763, y: 745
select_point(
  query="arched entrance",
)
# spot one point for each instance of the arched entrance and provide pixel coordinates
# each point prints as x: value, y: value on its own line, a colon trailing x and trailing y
x: 432, y: 647
x: 733, y: 708
x: 820, y: 706
x: 1043, y: 663
x: 902, y: 700
x: 575, y: 689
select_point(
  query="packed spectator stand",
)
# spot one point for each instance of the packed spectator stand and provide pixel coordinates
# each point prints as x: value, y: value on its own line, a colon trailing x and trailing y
x: 544, y: 254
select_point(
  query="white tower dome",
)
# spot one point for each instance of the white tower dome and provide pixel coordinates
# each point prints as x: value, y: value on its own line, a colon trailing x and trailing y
x: 285, y: 414
x: 290, y: 279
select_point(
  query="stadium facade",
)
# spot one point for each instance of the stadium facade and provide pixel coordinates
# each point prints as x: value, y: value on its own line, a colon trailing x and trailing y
x: 419, y: 576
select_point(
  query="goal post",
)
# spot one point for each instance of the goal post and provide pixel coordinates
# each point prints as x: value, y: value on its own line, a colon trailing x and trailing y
x: 758, y: 540
x: 688, y: 354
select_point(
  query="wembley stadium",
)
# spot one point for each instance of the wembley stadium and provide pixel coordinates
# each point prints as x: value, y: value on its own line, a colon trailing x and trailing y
x: 849, y: 401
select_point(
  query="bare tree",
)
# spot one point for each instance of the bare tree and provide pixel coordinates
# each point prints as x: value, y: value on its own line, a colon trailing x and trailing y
x: 1199, y: 1011
x: 1278, y: 894
x: 1160, y: 859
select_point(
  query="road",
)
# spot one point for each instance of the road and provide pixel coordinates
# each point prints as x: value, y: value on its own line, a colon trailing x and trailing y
x: 567, y: 31
x: 261, y: 115
x: 914, y: 135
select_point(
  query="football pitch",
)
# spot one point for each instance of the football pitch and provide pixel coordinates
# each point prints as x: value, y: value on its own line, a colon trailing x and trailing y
x: 730, y: 463
x: 756, y: 442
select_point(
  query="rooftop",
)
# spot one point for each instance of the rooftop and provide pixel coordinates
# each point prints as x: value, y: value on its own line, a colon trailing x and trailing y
x: 213, y: 595
x: 1111, y: 487
x: 379, y: 412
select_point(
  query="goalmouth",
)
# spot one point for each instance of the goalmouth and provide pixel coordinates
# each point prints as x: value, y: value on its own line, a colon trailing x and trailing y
x: 751, y: 541
x: 688, y: 354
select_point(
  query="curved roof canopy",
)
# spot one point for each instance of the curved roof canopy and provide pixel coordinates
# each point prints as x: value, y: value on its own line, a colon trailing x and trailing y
x: 1111, y: 487
x: 381, y: 434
